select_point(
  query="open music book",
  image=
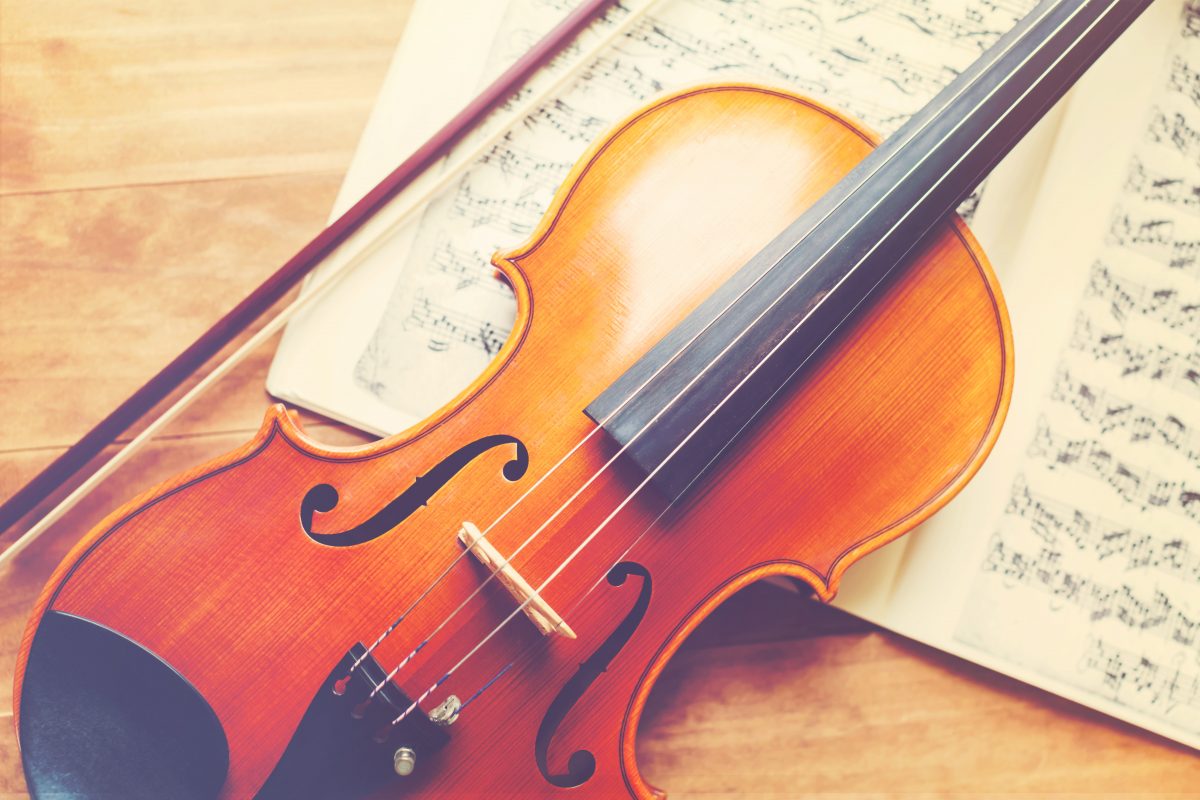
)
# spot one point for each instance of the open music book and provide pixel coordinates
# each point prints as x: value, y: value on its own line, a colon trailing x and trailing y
x: 1072, y: 561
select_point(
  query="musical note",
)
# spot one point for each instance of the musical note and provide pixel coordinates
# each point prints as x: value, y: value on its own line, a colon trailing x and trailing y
x: 1185, y: 79
x: 480, y: 210
x: 1152, y: 361
x: 1055, y: 521
x: 520, y: 164
x: 444, y: 325
x: 1158, y: 238
x: 569, y: 121
x: 1175, y: 131
x: 1109, y: 412
x: 455, y: 262
x: 1126, y: 297
x: 1137, y: 485
x: 1137, y: 679
x: 1151, y: 612
x: 1156, y: 187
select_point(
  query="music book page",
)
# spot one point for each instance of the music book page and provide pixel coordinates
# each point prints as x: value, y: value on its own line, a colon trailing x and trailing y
x: 1073, y: 560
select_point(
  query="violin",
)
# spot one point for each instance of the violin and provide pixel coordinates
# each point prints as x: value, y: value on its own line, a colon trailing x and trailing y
x: 751, y: 340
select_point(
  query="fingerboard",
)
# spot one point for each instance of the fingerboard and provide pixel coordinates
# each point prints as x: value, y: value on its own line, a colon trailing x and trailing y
x: 680, y: 406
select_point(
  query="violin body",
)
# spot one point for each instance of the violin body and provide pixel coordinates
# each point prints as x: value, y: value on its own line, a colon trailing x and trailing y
x: 233, y: 576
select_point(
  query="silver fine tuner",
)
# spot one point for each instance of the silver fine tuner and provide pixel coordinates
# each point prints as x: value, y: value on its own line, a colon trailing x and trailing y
x: 447, y: 712
x: 404, y: 761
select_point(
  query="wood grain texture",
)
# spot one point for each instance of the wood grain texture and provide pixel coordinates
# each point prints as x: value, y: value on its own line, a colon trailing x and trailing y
x: 843, y: 711
x: 963, y: 731
x: 103, y: 94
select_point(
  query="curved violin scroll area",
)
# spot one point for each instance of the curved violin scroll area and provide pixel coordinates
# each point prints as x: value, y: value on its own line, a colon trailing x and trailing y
x: 323, y: 497
x: 582, y: 764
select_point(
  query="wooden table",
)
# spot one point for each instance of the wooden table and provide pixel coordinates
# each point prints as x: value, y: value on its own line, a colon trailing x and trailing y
x: 157, y: 160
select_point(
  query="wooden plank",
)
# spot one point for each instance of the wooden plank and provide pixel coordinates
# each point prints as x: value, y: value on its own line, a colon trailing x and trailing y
x: 106, y: 286
x: 872, y: 715
x: 101, y: 94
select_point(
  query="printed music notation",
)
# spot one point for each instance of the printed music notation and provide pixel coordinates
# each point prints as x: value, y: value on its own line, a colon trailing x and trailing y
x: 1106, y: 411
x: 1155, y: 361
x: 1135, y: 679
x: 1127, y: 296
x: 1159, y: 238
x: 1139, y: 486
x: 1105, y: 539
x: 1185, y: 79
x: 881, y: 61
x: 447, y: 326
x: 479, y: 210
x: 1176, y: 131
x: 452, y: 261
x: 1153, y: 612
x: 1099, y: 542
x: 1170, y: 190
x: 1055, y: 522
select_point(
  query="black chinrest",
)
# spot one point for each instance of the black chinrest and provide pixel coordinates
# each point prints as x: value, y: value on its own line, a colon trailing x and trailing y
x: 102, y: 717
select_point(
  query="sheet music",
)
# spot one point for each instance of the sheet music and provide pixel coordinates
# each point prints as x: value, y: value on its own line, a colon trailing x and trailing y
x: 881, y: 61
x: 1091, y: 575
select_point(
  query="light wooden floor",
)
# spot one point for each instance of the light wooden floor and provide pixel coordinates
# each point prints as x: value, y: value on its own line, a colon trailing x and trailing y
x: 157, y: 160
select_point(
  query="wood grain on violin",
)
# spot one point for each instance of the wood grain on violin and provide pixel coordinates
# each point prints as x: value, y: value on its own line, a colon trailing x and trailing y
x: 317, y: 607
x: 229, y: 602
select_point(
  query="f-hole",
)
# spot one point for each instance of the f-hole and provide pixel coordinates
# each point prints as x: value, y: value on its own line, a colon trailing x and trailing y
x: 582, y: 764
x: 323, y: 497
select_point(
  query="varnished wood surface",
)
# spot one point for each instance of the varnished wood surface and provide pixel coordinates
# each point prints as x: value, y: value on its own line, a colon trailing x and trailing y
x: 120, y: 246
x: 211, y: 573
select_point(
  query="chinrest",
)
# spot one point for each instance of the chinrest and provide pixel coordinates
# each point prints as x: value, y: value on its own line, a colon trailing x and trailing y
x: 102, y: 717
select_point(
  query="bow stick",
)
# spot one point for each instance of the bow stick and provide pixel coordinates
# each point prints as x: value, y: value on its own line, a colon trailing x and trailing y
x: 368, y: 211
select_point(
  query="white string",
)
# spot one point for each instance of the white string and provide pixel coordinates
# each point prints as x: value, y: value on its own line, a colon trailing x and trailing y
x: 600, y: 425
x: 650, y: 476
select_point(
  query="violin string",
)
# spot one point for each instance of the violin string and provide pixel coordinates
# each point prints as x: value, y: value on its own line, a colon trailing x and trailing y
x: 650, y: 476
x: 600, y: 425
x: 486, y: 686
x: 633, y: 17
x: 569, y: 612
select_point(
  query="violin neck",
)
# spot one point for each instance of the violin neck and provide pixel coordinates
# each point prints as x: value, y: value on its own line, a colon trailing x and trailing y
x: 677, y: 408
